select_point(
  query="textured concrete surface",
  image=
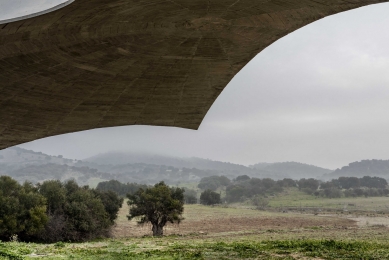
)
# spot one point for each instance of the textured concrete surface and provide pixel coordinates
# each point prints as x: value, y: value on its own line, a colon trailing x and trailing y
x: 101, y: 63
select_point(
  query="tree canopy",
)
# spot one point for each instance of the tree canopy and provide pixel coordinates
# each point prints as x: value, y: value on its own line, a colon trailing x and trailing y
x: 209, y: 197
x: 213, y: 182
x: 158, y: 205
x: 22, y: 209
x: 55, y: 211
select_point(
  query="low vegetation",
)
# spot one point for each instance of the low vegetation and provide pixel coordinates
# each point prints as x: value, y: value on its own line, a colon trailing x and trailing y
x: 169, y: 248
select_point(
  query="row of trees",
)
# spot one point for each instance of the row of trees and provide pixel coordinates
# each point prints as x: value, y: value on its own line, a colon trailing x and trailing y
x: 345, y: 186
x: 55, y: 211
x: 122, y: 189
x: 244, y: 186
x: 213, y: 182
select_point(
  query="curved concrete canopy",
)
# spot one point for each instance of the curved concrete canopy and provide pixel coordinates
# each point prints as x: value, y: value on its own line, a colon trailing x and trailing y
x: 102, y: 63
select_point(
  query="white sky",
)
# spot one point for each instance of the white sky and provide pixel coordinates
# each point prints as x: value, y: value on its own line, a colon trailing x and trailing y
x: 319, y: 95
x: 17, y: 8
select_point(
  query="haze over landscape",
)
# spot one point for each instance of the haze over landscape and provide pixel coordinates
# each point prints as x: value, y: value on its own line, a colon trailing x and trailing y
x: 317, y: 96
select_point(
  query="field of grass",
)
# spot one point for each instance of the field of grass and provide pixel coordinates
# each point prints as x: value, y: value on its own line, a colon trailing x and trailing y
x: 295, y: 198
x: 227, y: 232
x: 170, y: 248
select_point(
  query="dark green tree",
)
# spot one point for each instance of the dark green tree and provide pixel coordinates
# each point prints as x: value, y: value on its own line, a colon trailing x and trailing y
x: 209, y: 197
x: 120, y: 188
x: 158, y: 205
x: 234, y: 193
x: 190, y: 196
x: 373, y: 182
x: 111, y: 201
x: 308, y: 185
x: 349, y: 182
x: 77, y: 213
x: 22, y: 209
x: 243, y: 178
x: 86, y: 216
x: 55, y: 194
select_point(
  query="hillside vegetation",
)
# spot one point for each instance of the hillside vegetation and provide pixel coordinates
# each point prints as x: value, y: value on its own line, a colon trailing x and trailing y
x: 23, y: 165
x: 378, y: 168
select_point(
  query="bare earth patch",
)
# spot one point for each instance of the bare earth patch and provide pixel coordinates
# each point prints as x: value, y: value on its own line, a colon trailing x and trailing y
x: 363, y: 221
x: 216, y: 220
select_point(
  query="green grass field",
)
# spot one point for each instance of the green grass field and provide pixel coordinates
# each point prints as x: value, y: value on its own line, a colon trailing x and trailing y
x: 294, y: 198
x: 189, y: 248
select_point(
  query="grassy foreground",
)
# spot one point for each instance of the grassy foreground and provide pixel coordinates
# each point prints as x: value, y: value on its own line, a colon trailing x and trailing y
x: 168, y: 248
x: 226, y: 233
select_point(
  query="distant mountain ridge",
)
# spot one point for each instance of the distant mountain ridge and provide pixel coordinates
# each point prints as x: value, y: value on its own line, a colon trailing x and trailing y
x: 117, y: 158
x: 295, y: 169
x: 377, y: 168
x: 280, y: 170
x: 148, y: 169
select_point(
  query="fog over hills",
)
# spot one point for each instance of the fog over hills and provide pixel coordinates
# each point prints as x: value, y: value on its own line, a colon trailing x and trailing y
x: 117, y: 158
x: 378, y: 168
x: 294, y: 169
x: 27, y: 165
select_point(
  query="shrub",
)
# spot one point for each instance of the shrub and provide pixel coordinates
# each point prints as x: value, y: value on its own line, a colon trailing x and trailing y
x: 260, y: 202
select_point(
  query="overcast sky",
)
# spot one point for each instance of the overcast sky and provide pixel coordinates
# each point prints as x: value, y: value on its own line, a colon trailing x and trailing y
x: 319, y: 96
x: 16, y: 8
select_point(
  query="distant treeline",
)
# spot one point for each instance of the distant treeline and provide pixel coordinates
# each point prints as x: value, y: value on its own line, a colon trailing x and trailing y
x: 122, y: 189
x: 362, y: 168
x: 345, y: 187
x: 55, y: 211
x: 244, y: 186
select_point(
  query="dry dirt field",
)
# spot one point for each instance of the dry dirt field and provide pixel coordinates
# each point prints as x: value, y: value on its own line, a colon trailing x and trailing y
x: 207, y: 222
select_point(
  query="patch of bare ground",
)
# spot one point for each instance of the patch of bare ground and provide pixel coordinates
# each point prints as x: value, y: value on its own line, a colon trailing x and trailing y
x: 202, y: 220
x: 363, y: 221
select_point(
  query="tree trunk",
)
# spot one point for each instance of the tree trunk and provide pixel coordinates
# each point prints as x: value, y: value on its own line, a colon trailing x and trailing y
x: 157, y: 230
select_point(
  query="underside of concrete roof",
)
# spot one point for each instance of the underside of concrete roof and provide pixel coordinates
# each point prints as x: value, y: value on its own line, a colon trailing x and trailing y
x: 104, y: 63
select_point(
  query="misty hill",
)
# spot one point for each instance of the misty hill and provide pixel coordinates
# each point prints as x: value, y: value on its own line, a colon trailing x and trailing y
x: 260, y: 165
x: 119, y: 158
x: 23, y: 165
x: 373, y: 168
x: 294, y: 170
x: 15, y: 158
x: 26, y: 165
x: 275, y: 171
x: 51, y: 171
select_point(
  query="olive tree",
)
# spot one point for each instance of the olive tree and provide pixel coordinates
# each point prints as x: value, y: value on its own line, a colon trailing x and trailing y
x: 157, y: 205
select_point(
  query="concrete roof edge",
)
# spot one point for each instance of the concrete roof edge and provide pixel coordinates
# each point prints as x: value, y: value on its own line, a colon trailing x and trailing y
x: 52, y: 9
